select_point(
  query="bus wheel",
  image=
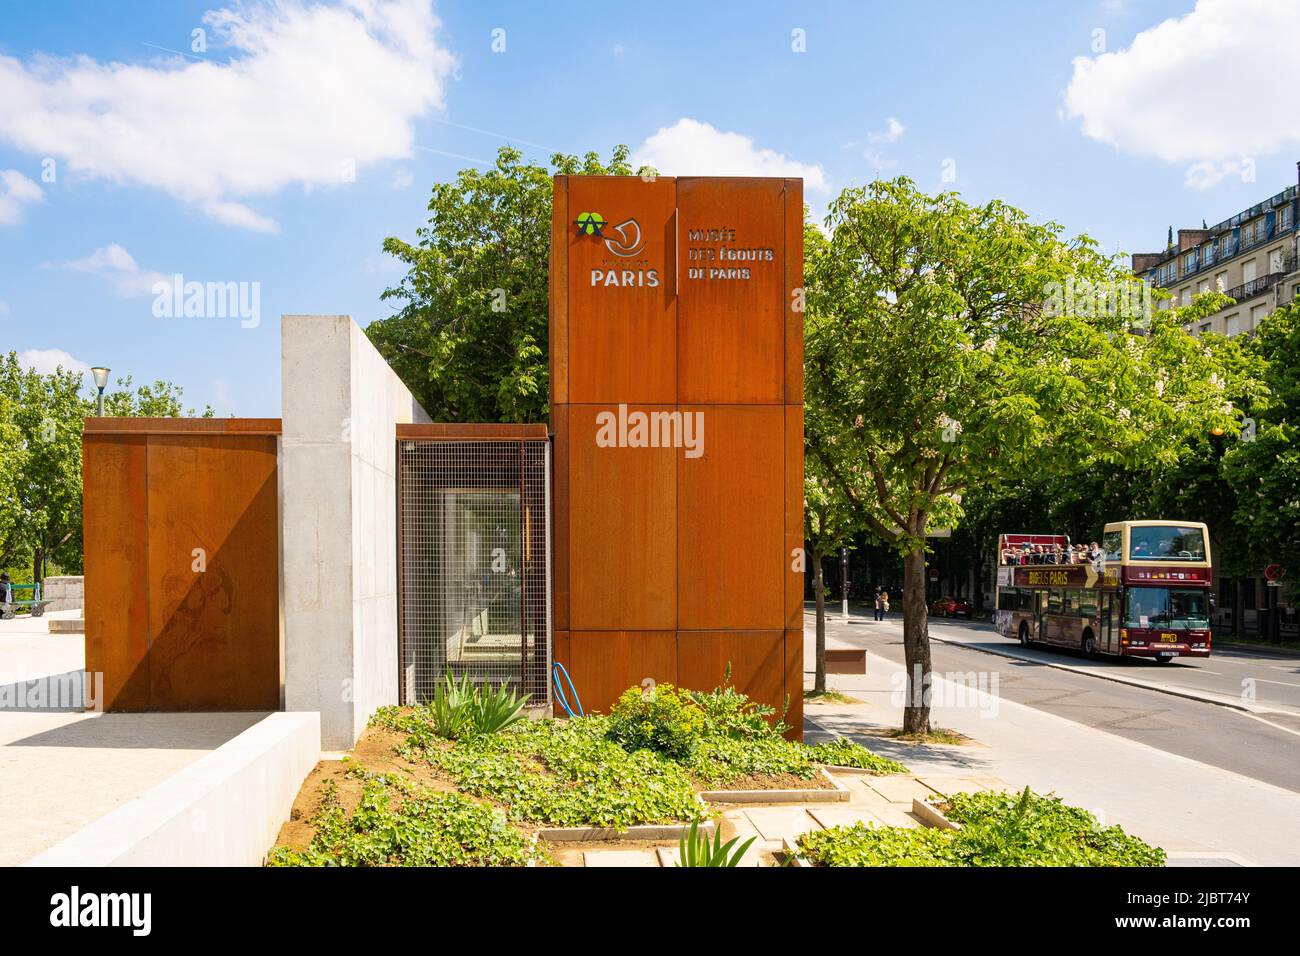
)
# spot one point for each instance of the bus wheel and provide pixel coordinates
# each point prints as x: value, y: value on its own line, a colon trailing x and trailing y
x: 1088, y: 647
x: 1024, y: 634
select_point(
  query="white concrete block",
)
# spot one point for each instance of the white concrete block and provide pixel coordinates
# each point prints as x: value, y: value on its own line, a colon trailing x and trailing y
x: 341, y: 406
x: 225, y: 809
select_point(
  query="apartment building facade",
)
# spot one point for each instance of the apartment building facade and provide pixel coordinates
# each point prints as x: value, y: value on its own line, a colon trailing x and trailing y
x: 1250, y: 256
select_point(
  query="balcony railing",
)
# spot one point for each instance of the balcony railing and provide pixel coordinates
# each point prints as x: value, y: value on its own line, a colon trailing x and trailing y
x: 1254, y: 287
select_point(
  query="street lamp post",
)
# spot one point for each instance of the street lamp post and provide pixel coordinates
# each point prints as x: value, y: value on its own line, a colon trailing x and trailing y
x: 101, y: 380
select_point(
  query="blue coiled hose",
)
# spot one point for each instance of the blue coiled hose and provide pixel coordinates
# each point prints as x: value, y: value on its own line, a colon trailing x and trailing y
x: 558, y: 670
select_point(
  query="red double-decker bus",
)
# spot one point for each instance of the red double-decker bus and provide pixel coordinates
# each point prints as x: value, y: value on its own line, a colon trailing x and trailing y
x: 1148, y: 593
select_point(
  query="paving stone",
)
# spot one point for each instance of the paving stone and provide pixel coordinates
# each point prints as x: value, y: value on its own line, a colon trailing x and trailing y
x: 899, y: 789
x: 895, y: 815
x: 963, y: 783
x: 844, y: 816
x: 620, y: 858
x: 781, y: 823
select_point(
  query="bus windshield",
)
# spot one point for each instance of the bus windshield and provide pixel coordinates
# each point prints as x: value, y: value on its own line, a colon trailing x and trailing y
x: 1166, y: 607
x: 1166, y: 543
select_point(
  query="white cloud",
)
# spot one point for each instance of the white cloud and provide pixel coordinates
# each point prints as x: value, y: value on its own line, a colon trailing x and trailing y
x: 47, y: 360
x: 16, y: 190
x: 892, y: 132
x: 403, y: 178
x: 309, y: 89
x: 1213, y: 85
x: 692, y: 148
x: 119, y: 267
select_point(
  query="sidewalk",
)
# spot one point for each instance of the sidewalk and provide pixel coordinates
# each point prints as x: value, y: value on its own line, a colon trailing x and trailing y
x: 1195, y: 811
x: 61, y: 768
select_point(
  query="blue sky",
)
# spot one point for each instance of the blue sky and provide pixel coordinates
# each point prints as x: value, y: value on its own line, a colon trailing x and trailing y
x: 231, y: 164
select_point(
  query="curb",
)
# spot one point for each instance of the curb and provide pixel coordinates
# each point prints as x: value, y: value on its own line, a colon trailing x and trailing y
x: 931, y: 815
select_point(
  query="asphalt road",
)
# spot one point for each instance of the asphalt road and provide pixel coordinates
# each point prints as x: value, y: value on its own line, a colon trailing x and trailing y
x: 1202, y: 731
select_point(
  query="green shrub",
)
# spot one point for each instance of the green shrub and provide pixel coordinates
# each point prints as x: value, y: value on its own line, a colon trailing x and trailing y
x: 1029, y: 829
x: 568, y: 773
x: 661, y: 719
x: 729, y: 713
x: 845, y: 753
x: 421, y: 828
x: 865, y: 845
x: 998, y: 829
x: 718, y: 761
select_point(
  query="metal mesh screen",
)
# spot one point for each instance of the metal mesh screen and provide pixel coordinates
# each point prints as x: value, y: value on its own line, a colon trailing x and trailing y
x: 474, y: 578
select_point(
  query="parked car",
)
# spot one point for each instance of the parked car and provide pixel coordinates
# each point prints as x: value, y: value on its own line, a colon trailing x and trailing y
x: 950, y: 607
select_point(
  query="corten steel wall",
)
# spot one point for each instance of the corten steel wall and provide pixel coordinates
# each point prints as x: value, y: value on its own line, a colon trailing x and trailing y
x: 167, y: 636
x: 667, y: 566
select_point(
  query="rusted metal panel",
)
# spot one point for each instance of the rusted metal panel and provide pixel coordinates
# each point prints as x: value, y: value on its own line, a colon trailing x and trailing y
x: 621, y: 290
x: 116, y: 567
x: 730, y: 552
x: 182, y: 565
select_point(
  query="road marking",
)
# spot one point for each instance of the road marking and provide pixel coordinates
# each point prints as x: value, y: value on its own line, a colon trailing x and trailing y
x: 1284, y: 683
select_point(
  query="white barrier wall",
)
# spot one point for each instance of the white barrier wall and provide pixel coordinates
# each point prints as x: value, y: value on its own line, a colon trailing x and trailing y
x: 338, y: 507
x: 225, y: 809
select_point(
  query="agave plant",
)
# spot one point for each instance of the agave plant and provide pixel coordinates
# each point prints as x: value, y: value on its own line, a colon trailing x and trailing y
x: 494, y: 709
x: 460, y: 708
x: 450, y: 707
x: 695, y: 849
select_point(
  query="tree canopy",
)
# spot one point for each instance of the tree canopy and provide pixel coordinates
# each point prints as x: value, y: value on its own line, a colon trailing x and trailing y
x: 470, y: 340
x: 942, y: 356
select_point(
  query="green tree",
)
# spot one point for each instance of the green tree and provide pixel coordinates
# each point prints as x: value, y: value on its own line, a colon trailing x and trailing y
x: 945, y: 357
x: 44, y: 418
x: 1263, y: 469
x: 471, y: 338
x: 41, y: 420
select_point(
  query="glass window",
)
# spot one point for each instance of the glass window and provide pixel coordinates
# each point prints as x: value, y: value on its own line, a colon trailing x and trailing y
x: 1112, y: 544
x: 1166, y: 607
x: 1166, y: 543
x: 1008, y: 599
x: 1087, y: 603
x: 1054, y: 601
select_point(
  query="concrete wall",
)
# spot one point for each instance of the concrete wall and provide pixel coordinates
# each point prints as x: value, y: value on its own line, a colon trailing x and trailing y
x: 341, y: 406
x: 64, y: 592
x: 225, y: 809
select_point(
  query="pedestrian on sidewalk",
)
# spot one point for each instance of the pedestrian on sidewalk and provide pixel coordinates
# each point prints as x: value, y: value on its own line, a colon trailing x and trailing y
x: 884, y: 604
x: 879, y: 605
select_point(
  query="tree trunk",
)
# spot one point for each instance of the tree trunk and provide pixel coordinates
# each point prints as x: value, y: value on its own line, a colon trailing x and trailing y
x: 916, y: 645
x: 38, y: 567
x: 819, y: 591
